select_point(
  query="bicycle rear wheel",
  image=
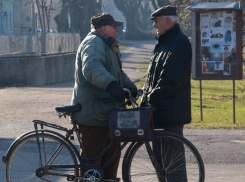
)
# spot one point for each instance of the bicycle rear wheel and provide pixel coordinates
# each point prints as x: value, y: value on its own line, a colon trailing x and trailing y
x: 24, y: 162
x: 168, y: 158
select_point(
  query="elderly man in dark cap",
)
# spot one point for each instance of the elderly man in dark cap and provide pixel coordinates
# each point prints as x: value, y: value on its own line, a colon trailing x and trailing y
x: 167, y: 86
x: 99, y: 82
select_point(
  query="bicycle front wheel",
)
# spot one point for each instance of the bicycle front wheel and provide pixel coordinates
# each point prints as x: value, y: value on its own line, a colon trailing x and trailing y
x: 168, y: 158
x: 24, y: 162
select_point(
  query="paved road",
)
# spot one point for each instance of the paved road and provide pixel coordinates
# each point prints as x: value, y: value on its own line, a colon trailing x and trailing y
x: 223, y: 150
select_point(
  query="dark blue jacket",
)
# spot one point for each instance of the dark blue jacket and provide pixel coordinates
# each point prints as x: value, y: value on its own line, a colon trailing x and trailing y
x: 167, y: 86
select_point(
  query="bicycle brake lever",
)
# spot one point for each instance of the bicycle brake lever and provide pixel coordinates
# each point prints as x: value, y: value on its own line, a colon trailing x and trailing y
x: 134, y: 101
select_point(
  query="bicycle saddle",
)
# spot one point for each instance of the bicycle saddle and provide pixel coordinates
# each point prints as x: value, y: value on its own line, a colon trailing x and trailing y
x: 68, y: 109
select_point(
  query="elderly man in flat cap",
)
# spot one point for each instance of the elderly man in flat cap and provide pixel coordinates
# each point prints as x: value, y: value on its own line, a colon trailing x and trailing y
x: 167, y: 86
x: 99, y: 82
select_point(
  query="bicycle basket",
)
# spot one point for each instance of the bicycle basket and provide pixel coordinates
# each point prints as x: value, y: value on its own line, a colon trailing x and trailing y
x: 128, y: 125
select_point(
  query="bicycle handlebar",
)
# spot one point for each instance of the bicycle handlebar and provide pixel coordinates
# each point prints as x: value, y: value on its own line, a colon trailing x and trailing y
x: 132, y: 99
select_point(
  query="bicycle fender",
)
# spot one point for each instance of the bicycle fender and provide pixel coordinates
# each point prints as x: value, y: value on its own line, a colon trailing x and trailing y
x: 5, y: 157
x: 17, y: 140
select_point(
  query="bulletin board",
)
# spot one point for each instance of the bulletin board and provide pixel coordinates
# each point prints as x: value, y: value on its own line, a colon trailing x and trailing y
x: 217, y: 41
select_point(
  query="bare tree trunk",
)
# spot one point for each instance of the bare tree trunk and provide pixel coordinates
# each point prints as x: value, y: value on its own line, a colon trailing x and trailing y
x: 162, y: 3
x: 153, y: 2
x: 90, y: 8
x: 48, y: 13
x: 43, y: 15
x: 130, y: 24
x: 80, y: 13
x: 145, y: 16
x: 130, y: 9
x: 39, y: 14
x: 63, y: 17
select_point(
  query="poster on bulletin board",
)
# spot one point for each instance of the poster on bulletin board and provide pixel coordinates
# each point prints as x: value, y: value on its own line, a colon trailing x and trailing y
x: 217, y: 44
x: 218, y: 41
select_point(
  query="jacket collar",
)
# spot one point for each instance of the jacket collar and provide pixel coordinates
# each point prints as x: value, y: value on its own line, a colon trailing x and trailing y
x: 170, y: 31
x: 110, y: 41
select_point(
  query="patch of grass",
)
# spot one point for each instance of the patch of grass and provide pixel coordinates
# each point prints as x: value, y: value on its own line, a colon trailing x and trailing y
x: 217, y: 104
x: 143, y: 68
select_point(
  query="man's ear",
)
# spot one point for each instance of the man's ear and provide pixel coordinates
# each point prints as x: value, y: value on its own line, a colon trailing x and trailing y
x: 103, y: 29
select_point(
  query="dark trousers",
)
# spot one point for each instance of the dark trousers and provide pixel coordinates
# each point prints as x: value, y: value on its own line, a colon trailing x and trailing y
x: 165, y: 150
x: 95, y: 139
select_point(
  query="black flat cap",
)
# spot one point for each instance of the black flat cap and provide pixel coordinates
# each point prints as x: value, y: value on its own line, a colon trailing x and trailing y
x: 104, y: 19
x: 164, y: 11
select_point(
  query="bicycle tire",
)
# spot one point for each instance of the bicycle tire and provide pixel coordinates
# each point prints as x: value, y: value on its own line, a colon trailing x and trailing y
x: 141, y: 163
x: 24, y: 159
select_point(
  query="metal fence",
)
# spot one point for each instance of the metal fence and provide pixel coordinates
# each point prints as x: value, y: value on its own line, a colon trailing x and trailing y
x: 38, y: 44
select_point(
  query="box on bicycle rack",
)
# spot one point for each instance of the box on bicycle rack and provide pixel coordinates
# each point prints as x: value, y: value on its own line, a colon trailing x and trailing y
x: 129, y: 125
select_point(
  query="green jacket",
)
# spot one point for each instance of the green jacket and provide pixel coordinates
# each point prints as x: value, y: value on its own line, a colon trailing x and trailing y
x: 97, y: 64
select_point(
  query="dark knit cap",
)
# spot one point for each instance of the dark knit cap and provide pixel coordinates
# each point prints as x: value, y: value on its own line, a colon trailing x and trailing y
x: 104, y: 19
x: 164, y: 11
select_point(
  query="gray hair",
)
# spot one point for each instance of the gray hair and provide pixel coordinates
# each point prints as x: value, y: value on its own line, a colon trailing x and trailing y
x: 174, y: 19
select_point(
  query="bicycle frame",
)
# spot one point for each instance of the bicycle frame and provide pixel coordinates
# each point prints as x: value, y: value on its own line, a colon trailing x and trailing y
x: 75, y: 129
x: 81, y: 165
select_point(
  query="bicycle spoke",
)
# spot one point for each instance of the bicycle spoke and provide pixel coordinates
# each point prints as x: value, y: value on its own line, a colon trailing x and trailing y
x: 24, y: 161
x: 168, y: 157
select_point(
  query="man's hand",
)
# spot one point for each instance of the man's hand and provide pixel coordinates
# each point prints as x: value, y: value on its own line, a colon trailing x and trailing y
x: 116, y: 92
x: 134, y: 92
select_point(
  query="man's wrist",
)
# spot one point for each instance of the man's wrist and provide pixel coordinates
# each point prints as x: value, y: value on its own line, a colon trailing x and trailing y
x: 110, y: 85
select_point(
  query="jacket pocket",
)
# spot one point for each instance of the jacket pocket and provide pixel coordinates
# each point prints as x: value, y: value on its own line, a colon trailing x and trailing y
x: 102, y: 109
x: 163, y: 103
x: 163, y: 115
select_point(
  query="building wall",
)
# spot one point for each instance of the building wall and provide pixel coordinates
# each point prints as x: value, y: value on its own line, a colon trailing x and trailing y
x: 37, y: 71
x: 7, y: 17
x: 26, y: 15
x: 1, y: 16
x: 17, y: 17
x: 22, y: 15
x: 1, y: 23
x: 10, y: 22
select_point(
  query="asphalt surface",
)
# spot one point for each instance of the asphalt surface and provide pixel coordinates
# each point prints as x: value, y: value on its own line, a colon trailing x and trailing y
x: 222, y: 150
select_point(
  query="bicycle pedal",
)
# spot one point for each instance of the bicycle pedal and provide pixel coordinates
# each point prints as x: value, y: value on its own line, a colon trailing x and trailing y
x: 70, y: 178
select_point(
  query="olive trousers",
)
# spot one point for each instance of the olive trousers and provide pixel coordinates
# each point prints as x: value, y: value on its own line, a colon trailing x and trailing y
x: 95, y: 139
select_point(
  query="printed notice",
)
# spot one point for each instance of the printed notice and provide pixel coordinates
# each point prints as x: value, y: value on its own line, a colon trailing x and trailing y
x: 218, y: 42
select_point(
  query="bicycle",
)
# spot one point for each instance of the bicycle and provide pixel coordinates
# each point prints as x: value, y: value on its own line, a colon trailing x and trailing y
x: 46, y: 155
